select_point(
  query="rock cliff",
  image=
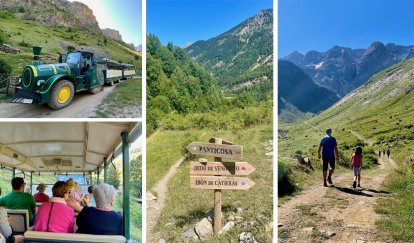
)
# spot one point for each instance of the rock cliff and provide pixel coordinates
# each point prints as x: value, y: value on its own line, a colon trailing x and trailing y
x: 54, y: 13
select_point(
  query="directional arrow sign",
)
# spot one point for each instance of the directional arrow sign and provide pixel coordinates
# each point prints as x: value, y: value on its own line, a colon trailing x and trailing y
x: 220, y: 182
x: 221, y: 168
x: 216, y: 150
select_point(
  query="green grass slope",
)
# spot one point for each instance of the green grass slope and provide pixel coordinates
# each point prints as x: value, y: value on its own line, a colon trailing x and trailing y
x: 23, y: 34
x: 380, y: 112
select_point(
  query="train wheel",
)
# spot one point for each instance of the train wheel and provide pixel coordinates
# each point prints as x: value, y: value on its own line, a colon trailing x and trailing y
x: 95, y: 90
x: 61, y: 95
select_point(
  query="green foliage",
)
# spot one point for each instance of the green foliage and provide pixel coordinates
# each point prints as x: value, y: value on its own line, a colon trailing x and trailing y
x: 114, y: 177
x: 105, y: 41
x: 22, y: 10
x: 71, y: 48
x: 286, y: 185
x: 3, y: 37
x: 5, y: 70
x: 23, y: 43
x: 174, y: 83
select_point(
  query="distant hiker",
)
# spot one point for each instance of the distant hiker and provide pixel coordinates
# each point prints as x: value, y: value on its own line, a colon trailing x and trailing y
x: 329, y: 149
x: 388, y: 152
x: 379, y: 153
x: 356, y: 163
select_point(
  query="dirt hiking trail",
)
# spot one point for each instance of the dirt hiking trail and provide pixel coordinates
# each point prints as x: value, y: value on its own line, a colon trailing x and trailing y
x: 83, y: 105
x: 155, y: 203
x: 337, y: 213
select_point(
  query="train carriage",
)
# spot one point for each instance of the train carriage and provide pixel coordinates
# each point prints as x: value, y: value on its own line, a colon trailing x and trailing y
x: 128, y: 71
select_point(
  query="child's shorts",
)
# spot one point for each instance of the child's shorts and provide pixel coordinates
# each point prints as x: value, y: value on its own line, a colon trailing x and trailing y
x: 357, y: 170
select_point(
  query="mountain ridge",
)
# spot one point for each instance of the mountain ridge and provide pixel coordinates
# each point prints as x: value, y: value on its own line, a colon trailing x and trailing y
x: 241, y: 58
x: 342, y: 69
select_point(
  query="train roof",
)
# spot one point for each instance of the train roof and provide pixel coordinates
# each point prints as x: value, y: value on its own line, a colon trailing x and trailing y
x: 58, y: 147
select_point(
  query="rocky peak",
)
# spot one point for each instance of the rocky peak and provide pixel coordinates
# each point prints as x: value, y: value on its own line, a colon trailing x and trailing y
x: 376, y: 46
x: 294, y: 57
x: 112, y: 34
x: 54, y: 13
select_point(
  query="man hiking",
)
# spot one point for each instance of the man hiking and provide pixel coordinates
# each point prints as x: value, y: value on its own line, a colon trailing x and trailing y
x: 329, y: 149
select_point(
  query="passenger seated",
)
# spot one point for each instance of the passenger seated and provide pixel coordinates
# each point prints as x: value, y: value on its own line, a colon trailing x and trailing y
x: 74, y: 199
x: 41, y: 196
x: 102, y: 219
x: 5, y: 228
x: 18, y: 199
x: 92, y: 199
x: 55, y: 215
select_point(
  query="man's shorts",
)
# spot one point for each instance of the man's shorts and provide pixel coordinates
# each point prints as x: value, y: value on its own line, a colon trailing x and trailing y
x: 330, y: 160
x: 357, y: 170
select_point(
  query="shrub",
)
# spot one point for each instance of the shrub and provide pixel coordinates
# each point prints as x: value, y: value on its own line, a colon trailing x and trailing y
x: 3, y: 37
x: 71, y: 48
x: 24, y: 44
x: 5, y: 70
x: 22, y: 10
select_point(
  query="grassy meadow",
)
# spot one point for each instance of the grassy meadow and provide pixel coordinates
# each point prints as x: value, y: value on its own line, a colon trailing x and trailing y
x: 124, y: 101
x: 185, y: 206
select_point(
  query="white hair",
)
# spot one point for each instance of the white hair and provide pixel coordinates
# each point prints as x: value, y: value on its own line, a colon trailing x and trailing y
x: 104, y: 195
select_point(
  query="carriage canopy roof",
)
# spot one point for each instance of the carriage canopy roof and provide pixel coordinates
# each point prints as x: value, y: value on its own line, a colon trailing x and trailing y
x: 61, y: 146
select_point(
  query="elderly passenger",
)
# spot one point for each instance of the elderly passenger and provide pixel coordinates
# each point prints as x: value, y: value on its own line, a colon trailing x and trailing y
x: 74, y: 199
x: 102, y: 219
x: 5, y: 228
x: 17, y: 199
x: 41, y: 196
x: 55, y: 215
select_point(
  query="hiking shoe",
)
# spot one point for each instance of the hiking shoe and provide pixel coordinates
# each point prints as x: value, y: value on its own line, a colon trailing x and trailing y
x: 359, y: 185
x: 324, y: 184
x: 354, y: 185
x: 329, y: 180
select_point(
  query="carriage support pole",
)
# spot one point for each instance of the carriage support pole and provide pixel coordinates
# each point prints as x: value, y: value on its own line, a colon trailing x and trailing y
x: 97, y: 177
x: 105, y: 170
x: 125, y: 182
x: 14, y: 173
x: 31, y: 182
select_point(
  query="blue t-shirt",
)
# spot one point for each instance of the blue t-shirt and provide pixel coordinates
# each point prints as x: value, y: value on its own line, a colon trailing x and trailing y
x: 98, y: 222
x: 328, y: 144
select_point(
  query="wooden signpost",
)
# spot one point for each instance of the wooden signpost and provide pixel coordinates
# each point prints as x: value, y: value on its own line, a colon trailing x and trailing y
x: 219, y: 174
x: 216, y: 150
x: 220, y: 182
x: 221, y: 168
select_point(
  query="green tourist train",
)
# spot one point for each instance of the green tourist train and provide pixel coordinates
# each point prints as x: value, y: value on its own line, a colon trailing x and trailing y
x: 56, y: 84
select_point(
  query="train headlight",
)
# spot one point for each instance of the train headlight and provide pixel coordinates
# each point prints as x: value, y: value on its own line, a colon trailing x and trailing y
x: 40, y: 82
x: 20, y: 81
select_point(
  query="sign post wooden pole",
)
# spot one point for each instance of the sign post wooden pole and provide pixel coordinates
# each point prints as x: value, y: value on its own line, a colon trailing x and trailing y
x: 217, y: 175
x: 217, y: 198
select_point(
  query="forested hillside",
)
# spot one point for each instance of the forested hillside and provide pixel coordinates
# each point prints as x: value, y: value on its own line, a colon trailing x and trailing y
x: 181, y: 95
x: 242, y: 58
x: 174, y: 83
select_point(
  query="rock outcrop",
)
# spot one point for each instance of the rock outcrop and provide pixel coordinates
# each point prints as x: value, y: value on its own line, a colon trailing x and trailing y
x: 112, y: 34
x: 54, y: 13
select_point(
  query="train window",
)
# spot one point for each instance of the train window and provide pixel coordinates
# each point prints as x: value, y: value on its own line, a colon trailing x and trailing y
x: 73, y: 57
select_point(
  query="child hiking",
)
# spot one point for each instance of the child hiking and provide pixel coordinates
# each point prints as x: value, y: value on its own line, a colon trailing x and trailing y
x: 356, y: 163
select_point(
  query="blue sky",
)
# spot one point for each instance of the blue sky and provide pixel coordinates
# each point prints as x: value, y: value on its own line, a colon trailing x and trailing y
x: 319, y: 24
x: 122, y: 15
x: 183, y: 21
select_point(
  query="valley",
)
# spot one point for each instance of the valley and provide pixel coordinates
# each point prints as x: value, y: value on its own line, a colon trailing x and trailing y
x: 186, y: 102
x: 377, y: 115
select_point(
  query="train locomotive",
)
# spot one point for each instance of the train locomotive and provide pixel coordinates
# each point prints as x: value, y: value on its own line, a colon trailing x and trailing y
x: 56, y: 84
